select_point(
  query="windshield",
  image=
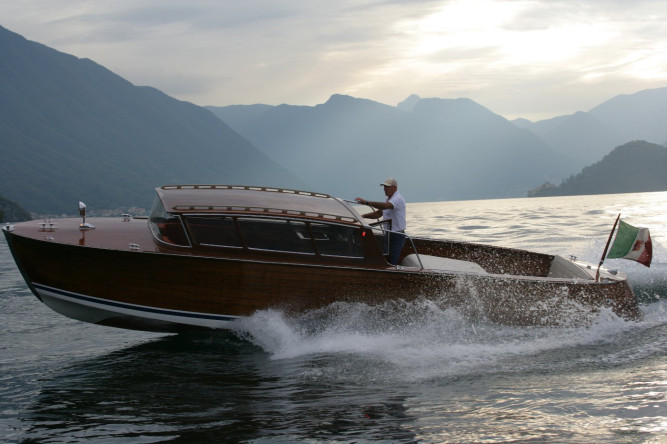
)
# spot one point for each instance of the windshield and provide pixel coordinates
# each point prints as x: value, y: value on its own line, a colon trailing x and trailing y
x: 166, y: 227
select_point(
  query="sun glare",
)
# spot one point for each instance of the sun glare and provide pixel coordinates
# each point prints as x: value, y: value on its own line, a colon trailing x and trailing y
x: 464, y: 29
x: 458, y: 24
x: 551, y: 44
x: 650, y: 64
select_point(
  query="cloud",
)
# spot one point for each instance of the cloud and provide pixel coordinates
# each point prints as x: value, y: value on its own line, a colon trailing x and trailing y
x: 531, y: 58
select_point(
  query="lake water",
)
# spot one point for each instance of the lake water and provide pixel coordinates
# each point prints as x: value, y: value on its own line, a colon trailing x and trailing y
x: 400, y: 373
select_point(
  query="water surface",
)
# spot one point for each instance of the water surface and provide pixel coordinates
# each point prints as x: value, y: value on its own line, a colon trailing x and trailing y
x: 401, y: 372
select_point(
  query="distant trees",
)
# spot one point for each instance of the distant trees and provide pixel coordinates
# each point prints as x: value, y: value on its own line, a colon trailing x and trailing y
x: 635, y: 167
x: 12, y: 212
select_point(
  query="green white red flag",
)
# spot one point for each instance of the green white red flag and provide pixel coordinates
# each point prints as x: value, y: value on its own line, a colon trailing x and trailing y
x: 632, y: 243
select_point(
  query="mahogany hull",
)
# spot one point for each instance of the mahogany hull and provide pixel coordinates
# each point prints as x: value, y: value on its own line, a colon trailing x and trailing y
x: 158, y: 291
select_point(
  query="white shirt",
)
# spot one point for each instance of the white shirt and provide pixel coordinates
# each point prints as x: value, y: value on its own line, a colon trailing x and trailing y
x: 397, y: 215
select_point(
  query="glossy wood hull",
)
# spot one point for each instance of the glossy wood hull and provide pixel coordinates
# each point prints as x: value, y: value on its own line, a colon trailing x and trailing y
x: 157, y: 291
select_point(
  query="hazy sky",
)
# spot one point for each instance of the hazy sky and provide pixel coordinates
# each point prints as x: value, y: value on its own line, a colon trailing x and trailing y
x: 519, y: 58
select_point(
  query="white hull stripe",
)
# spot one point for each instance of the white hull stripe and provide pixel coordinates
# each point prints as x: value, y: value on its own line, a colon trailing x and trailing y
x: 133, y: 307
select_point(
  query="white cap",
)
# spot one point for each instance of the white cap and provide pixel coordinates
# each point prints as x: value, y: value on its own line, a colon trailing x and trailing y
x: 390, y: 182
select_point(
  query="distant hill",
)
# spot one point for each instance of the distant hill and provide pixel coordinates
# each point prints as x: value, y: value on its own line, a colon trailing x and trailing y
x: 635, y: 167
x: 588, y: 136
x: 72, y: 130
x: 12, y: 212
x: 438, y: 149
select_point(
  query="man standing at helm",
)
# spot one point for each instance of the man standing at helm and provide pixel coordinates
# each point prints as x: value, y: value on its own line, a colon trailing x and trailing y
x: 392, y: 209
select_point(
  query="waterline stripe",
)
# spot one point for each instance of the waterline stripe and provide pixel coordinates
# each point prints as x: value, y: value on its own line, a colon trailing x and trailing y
x: 127, y: 306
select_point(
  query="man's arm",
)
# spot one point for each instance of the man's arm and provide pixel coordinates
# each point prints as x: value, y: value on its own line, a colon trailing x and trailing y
x: 378, y: 205
x: 374, y: 215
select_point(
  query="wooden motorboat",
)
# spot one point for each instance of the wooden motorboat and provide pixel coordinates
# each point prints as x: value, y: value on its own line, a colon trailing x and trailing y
x: 210, y: 254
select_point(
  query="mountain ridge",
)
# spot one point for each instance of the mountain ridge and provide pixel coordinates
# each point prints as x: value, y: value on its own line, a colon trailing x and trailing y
x: 423, y: 144
x: 614, y: 122
x: 576, y: 140
x: 85, y: 133
x: 634, y: 167
x: 72, y: 130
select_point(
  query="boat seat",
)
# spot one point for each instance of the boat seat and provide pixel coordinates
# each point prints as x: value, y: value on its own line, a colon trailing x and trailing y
x: 443, y: 264
x: 563, y: 268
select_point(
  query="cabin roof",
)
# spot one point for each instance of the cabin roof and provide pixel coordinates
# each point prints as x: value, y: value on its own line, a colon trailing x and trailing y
x: 254, y: 200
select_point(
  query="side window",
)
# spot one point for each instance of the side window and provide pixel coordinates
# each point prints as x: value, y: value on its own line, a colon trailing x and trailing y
x: 214, y: 230
x: 166, y: 227
x: 337, y: 240
x: 275, y: 235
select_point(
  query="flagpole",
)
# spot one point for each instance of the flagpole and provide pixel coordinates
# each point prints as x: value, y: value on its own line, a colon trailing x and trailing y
x: 597, y: 274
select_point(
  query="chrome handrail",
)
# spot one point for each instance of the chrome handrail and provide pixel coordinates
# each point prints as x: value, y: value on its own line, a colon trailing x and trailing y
x: 414, y: 247
x: 243, y: 187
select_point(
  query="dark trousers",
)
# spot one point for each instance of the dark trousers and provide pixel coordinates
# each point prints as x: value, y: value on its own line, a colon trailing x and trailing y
x: 396, y: 242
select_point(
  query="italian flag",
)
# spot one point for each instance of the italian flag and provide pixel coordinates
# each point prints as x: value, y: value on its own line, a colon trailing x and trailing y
x: 632, y: 243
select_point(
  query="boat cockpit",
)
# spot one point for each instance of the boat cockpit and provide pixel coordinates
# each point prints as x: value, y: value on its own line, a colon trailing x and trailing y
x: 255, y: 232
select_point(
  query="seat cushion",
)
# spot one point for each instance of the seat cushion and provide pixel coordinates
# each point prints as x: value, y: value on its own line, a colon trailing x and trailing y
x: 443, y: 264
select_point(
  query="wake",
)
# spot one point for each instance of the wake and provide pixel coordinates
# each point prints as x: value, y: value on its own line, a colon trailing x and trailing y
x: 419, y: 340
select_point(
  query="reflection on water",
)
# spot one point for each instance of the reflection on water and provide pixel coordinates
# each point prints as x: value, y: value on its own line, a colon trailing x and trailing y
x: 203, y: 389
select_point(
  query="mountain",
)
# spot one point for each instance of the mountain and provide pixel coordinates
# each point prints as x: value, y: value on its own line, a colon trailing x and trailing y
x: 12, y: 212
x: 639, y: 116
x: 634, y: 167
x: 588, y: 136
x: 72, y: 130
x: 239, y: 116
x: 409, y: 104
x: 581, y: 136
x: 438, y: 149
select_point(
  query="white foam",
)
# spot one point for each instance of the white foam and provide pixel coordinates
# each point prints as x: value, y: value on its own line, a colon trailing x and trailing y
x: 419, y: 340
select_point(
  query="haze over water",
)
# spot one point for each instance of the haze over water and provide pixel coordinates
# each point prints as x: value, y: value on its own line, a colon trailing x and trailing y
x: 401, y: 372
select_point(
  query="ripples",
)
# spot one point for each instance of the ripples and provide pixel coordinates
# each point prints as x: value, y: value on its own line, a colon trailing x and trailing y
x: 473, y: 227
x: 403, y: 372
x: 585, y: 217
x: 198, y: 389
x: 589, y: 406
x: 446, y: 383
